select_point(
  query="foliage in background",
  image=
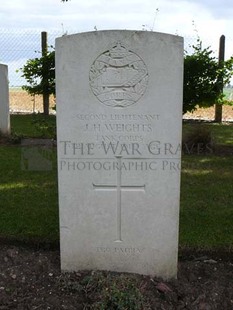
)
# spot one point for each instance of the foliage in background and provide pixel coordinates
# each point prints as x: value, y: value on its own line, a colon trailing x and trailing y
x: 204, y: 78
x: 34, y: 72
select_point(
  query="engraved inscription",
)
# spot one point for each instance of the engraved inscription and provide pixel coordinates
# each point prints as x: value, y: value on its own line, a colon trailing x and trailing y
x: 115, y: 250
x: 118, y: 77
x: 118, y: 188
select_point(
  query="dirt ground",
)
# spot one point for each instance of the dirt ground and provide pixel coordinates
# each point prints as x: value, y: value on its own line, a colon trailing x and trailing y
x: 31, y: 279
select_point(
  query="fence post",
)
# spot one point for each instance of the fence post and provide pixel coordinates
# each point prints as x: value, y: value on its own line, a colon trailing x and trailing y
x: 221, y: 57
x: 44, y: 49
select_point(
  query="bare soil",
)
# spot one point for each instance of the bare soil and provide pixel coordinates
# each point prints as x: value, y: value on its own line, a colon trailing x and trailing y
x: 31, y: 279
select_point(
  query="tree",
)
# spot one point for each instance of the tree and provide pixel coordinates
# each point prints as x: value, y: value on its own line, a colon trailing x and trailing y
x: 203, y: 78
x: 40, y: 75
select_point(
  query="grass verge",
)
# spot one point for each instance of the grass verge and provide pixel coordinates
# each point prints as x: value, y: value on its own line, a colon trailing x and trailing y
x: 206, y: 213
x: 29, y: 199
x: 33, y: 125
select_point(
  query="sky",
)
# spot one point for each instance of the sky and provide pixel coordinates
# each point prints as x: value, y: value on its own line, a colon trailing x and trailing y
x: 207, y: 18
x: 211, y: 17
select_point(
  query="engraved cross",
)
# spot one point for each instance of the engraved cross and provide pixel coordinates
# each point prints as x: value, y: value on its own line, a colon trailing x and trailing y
x: 118, y: 188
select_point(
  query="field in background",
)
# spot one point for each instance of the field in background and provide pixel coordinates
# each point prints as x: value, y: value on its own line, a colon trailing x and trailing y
x: 21, y: 102
x: 208, y: 114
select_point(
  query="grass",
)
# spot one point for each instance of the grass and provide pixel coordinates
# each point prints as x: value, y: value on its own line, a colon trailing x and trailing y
x: 33, y: 125
x: 29, y: 199
x: 206, y: 214
x: 221, y: 133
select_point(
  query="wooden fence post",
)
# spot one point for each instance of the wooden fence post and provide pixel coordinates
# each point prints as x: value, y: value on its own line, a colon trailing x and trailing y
x: 221, y: 57
x: 44, y: 49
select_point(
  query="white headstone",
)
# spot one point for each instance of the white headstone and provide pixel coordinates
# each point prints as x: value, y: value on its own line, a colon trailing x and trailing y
x: 4, y: 100
x: 119, y: 116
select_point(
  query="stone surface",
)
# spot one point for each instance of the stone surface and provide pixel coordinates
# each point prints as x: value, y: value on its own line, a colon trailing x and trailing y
x: 4, y: 100
x: 119, y: 116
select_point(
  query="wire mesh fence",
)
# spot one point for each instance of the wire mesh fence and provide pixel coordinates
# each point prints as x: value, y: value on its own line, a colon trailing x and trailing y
x: 17, y: 46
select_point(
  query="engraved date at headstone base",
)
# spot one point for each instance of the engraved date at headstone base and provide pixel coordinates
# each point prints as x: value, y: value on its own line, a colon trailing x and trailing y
x: 120, y: 250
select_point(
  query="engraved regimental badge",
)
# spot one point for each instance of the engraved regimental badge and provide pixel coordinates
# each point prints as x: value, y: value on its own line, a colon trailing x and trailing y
x: 118, y: 77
